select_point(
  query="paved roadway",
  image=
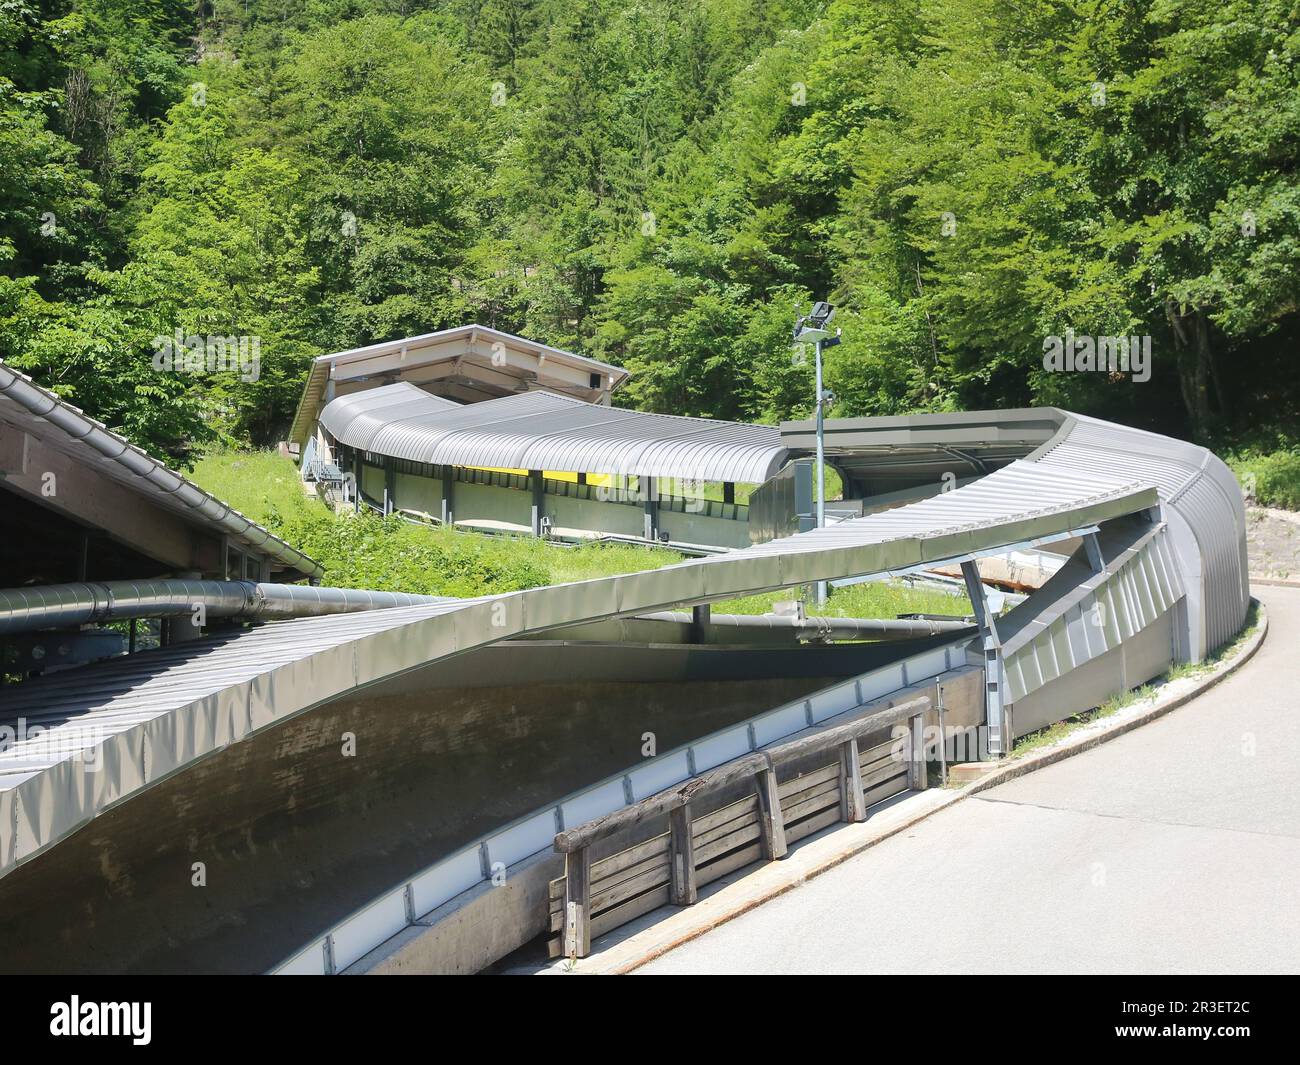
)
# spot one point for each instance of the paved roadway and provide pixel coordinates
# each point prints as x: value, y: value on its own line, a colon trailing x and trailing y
x: 1174, y: 848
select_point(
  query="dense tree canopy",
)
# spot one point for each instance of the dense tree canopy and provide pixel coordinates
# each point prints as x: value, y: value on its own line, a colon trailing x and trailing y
x: 657, y: 183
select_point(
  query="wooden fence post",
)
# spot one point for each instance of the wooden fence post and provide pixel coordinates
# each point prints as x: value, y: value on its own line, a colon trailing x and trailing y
x: 681, y: 850
x: 577, y: 903
x: 771, y: 823
x: 853, y: 805
x: 916, y: 773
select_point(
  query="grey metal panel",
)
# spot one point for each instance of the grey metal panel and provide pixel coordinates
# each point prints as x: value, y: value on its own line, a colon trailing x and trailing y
x: 1204, y: 506
x: 1198, y: 494
x: 544, y: 430
x: 42, y: 415
x: 1063, y: 629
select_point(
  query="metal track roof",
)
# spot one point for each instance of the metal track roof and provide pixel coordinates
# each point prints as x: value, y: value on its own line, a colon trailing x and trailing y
x: 32, y: 409
x: 546, y: 431
x: 151, y: 715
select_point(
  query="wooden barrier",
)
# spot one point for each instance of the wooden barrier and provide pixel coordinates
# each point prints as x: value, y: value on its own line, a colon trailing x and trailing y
x: 593, y: 897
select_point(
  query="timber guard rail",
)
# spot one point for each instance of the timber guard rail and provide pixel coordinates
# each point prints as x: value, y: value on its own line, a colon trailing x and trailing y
x: 595, y: 896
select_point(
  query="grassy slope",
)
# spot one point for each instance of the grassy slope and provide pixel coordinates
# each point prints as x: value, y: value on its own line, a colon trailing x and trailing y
x: 1275, y: 476
x: 389, y: 554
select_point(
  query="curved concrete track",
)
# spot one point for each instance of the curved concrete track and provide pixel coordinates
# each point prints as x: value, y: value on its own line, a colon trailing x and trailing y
x: 1174, y: 848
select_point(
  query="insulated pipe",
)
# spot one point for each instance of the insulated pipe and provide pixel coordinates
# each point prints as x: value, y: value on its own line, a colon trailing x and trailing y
x: 60, y: 606
x: 837, y: 628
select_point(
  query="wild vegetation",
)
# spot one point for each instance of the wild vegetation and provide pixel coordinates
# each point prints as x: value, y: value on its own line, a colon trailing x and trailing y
x: 658, y: 183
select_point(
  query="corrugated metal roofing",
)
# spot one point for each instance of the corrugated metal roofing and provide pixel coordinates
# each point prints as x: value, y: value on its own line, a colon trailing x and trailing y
x: 546, y: 431
x: 41, y: 414
x: 1201, y: 501
x: 319, y: 374
x: 1080, y: 614
x: 150, y: 715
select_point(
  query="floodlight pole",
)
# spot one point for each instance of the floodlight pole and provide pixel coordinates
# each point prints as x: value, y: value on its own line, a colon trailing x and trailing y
x: 819, y: 596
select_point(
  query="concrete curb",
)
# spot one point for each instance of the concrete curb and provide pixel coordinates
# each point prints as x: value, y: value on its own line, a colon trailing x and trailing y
x: 769, y: 881
x: 1275, y: 582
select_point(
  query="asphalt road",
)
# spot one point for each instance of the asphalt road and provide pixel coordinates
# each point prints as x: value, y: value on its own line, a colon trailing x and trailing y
x: 1174, y: 848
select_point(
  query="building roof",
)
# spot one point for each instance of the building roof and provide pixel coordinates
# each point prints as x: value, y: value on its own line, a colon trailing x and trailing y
x: 545, y: 431
x: 31, y: 409
x: 498, y: 363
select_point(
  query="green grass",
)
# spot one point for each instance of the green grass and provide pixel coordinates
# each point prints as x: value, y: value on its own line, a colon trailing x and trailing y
x: 388, y: 554
x: 258, y: 484
x: 1273, y: 475
x: 874, y: 599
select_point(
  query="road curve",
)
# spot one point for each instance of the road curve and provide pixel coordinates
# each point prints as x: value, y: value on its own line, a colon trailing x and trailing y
x: 1172, y: 849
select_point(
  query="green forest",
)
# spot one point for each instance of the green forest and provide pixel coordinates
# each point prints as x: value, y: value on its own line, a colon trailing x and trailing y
x: 659, y: 184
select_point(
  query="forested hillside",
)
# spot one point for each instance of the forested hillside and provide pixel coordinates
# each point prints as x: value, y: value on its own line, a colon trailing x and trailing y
x: 658, y: 183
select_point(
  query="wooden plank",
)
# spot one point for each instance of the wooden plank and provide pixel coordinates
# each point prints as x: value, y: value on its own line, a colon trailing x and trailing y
x: 614, y: 863
x: 726, y: 843
x: 816, y: 823
x: 885, y: 772
x: 576, y: 917
x: 681, y: 850
x: 621, y: 915
x: 655, y: 863
x: 748, y: 806
x: 813, y: 777
x: 652, y: 877
x: 887, y: 790
x: 771, y: 819
x: 661, y: 803
x: 829, y: 791
x: 852, y: 806
x: 629, y: 911
x: 916, y: 767
x: 608, y: 868
x: 884, y: 756
x: 736, y: 860
x: 702, y: 839
x: 826, y: 800
x: 625, y: 889
x: 880, y: 750
x: 883, y: 765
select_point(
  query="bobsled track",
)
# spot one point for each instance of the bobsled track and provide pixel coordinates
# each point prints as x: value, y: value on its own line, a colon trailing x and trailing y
x: 303, y: 790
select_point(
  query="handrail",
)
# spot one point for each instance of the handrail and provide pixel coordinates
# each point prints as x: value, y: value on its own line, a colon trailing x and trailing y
x: 661, y: 803
x: 576, y: 843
